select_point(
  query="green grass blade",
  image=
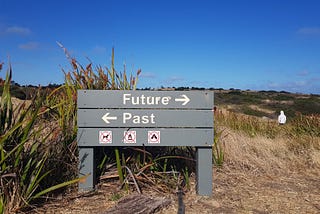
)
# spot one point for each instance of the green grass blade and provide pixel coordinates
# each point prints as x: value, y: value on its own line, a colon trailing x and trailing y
x: 58, y: 186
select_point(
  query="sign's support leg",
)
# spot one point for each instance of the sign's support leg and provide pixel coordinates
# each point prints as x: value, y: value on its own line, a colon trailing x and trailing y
x: 86, y: 167
x: 204, y: 171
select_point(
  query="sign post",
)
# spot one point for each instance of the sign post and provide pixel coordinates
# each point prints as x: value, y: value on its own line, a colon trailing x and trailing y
x: 145, y: 118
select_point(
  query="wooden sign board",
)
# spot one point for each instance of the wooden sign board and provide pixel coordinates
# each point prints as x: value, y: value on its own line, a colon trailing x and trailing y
x: 146, y: 118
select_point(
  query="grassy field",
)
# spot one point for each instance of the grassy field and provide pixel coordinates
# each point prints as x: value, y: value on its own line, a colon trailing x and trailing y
x: 253, y: 173
x: 38, y: 148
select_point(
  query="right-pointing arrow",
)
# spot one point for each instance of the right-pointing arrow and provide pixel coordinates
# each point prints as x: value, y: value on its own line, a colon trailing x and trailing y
x: 185, y: 99
x: 106, y: 118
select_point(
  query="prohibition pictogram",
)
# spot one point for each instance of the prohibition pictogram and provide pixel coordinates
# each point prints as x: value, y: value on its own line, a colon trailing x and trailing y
x: 153, y: 136
x: 129, y: 137
x: 105, y: 136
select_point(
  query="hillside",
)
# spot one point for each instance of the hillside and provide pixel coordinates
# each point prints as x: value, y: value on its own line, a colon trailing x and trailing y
x: 256, y: 103
x: 266, y: 168
x: 268, y: 103
x: 259, y: 175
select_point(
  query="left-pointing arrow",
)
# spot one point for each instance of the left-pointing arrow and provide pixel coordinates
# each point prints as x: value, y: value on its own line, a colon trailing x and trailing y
x: 106, y: 118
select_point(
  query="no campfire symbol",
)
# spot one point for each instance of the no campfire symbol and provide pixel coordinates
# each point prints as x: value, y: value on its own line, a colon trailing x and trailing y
x: 105, y: 136
x: 153, y: 136
x: 130, y: 137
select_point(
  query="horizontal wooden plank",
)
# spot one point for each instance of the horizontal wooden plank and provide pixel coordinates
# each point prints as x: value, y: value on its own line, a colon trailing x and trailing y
x: 145, y: 99
x: 144, y: 118
x: 91, y: 137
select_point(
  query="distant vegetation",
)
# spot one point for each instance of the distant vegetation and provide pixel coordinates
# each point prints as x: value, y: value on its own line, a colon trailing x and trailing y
x: 271, y: 102
x: 38, y: 148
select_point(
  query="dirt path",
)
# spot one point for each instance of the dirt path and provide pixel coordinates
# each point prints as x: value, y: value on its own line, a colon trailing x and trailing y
x: 239, y: 192
x: 234, y: 191
x: 285, y: 193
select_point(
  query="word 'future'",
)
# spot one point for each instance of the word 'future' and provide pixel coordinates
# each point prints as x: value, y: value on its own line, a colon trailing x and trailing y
x: 145, y: 100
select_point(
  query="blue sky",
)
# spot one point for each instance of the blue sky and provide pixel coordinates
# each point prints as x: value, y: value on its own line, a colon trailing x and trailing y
x: 245, y: 44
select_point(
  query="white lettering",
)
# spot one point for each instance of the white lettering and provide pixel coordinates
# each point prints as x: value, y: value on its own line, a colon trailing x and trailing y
x: 145, y: 100
x: 145, y: 119
x: 135, y: 100
x: 142, y: 99
x: 126, y: 98
x: 152, y: 117
x: 126, y: 116
x: 137, y: 119
x: 165, y: 100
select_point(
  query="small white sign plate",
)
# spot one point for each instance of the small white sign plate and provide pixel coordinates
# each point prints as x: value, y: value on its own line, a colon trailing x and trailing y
x: 153, y: 136
x: 105, y: 136
x: 129, y: 137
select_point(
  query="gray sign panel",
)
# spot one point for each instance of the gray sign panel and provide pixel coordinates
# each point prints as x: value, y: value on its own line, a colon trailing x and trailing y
x: 145, y: 99
x: 88, y: 137
x: 144, y: 118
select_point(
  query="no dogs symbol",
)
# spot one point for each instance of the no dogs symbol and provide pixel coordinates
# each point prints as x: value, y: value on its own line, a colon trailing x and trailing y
x: 105, y: 136
x: 153, y: 136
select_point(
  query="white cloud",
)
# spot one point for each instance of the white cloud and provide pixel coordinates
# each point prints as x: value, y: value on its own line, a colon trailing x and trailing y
x: 305, y: 86
x: 309, y: 31
x: 29, y: 46
x: 22, y: 31
x: 174, y: 80
x: 303, y: 73
x: 99, y: 49
x: 147, y: 75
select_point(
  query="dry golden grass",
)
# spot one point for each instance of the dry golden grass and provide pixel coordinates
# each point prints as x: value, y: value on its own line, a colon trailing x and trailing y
x: 259, y: 108
x: 263, y: 146
x: 263, y: 154
x: 259, y: 175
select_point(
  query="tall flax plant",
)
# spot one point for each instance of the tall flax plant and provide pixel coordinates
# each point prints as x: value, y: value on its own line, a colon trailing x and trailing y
x: 86, y: 77
x: 21, y: 161
x: 6, y: 104
x: 23, y: 152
